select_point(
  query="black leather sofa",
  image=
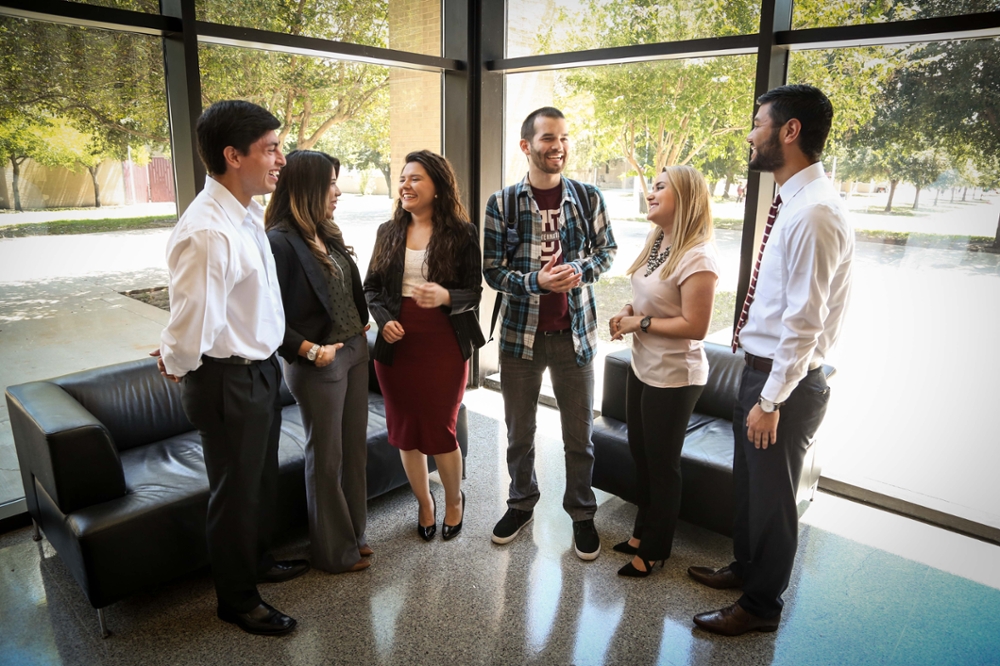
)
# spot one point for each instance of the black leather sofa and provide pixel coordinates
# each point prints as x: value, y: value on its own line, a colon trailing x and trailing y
x: 707, y: 456
x: 114, y: 475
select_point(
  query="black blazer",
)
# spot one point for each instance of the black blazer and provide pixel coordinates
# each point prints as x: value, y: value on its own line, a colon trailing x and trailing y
x: 385, y: 297
x: 304, y: 291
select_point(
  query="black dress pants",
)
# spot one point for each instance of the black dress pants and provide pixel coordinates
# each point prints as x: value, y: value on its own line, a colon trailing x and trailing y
x: 657, y: 423
x: 237, y: 413
x: 766, y: 481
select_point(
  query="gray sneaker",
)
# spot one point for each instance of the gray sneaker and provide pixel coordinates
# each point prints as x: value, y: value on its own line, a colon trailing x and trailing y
x: 586, y: 543
x: 510, y: 525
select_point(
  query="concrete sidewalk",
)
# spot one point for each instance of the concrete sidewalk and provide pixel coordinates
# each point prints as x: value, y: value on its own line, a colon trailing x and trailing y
x: 55, y: 326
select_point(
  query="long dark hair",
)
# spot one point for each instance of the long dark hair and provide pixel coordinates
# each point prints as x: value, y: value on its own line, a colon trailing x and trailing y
x: 299, y: 201
x: 449, y: 221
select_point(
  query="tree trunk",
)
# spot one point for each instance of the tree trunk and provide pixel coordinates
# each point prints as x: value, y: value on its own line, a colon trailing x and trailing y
x: 97, y: 188
x: 729, y: 182
x: 892, y: 193
x: 937, y: 195
x: 16, y: 164
x: 387, y: 174
x: 965, y: 191
x: 953, y: 195
x: 996, y: 239
x: 916, y: 199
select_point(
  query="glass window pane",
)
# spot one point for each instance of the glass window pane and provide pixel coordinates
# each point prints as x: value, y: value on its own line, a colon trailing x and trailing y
x: 86, y: 201
x: 914, y: 154
x: 823, y: 13
x: 404, y: 25
x: 367, y: 116
x: 554, y: 26
x: 148, y: 6
x: 627, y: 120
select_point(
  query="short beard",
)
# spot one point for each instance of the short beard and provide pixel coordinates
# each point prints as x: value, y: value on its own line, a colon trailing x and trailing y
x: 769, y: 156
x: 538, y: 160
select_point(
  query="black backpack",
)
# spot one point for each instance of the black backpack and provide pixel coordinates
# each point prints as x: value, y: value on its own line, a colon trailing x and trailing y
x: 512, y: 240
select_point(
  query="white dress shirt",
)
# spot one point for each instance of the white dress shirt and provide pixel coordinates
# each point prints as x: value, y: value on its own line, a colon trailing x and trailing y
x: 804, y: 283
x: 224, y: 294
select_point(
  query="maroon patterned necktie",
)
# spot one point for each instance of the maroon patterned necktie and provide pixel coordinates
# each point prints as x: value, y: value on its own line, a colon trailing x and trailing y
x: 773, y: 213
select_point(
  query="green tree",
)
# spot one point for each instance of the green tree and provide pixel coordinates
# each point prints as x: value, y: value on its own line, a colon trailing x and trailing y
x: 62, y: 145
x: 19, y: 140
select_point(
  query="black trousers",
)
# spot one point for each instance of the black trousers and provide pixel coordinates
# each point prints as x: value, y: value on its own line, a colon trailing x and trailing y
x: 766, y: 527
x: 237, y: 413
x: 657, y: 422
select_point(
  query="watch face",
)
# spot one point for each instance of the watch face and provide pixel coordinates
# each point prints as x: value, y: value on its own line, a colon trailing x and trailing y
x: 644, y: 324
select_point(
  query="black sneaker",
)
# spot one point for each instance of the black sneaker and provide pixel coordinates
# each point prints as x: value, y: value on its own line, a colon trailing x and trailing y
x: 586, y: 543
x: 510, y: 525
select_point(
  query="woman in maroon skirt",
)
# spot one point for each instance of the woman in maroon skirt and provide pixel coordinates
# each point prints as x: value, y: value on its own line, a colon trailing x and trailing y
x: 423, y: 288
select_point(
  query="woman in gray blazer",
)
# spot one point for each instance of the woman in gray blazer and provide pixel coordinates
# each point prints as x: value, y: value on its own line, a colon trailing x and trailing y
x: 325, y: 353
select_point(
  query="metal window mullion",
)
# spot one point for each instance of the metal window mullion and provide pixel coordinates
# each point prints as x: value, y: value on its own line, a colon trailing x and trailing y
x: 183, y: 82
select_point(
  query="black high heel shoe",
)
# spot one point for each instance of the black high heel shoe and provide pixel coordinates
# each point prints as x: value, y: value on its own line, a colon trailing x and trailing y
x: 451, y: 531
x: 630, y: 571
x: 625, y: 547
x: 427, y: 533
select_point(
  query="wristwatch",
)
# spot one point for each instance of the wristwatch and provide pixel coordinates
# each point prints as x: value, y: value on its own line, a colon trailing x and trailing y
x: 644, y: 324
x: 767, y: 406
x: 311, y: 354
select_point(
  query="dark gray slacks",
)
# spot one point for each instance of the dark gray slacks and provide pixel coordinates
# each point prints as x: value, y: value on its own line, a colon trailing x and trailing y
x: 573, y: 385
x: 657, y: 423
x: 334, y: 404
x: 237, y: 413
x: 765, y: 483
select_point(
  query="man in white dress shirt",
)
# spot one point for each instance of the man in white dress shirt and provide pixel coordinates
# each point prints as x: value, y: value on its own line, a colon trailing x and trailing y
x: 790, y: 322
x: 226, y: 321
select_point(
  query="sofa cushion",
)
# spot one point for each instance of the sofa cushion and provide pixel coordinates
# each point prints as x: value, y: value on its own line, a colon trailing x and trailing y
x: 725, y: 368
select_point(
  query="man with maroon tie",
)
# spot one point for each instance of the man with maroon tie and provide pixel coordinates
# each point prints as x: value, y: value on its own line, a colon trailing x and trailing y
x: 790, y: 321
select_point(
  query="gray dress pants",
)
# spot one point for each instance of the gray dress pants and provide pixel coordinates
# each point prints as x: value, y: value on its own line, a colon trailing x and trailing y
x: 520, y: 383
x: 334, y: 403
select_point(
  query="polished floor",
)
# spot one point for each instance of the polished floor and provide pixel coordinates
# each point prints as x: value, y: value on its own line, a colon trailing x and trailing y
x: 869, y: 588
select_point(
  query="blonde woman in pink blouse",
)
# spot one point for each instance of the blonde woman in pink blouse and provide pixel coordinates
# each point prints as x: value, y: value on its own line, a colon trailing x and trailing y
x: 673, y: 288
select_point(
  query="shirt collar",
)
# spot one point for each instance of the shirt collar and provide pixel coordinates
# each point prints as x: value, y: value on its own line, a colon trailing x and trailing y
x: 800, y: 180
x: 525, y: 187
x: 235, y: 211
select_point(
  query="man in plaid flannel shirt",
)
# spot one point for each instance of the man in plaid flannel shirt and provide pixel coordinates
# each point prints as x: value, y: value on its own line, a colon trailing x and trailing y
x: 549, y: 319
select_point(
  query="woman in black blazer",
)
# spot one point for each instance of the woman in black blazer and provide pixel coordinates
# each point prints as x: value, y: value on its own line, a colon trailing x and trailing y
x: 325, y: 353
x: 423, y: 288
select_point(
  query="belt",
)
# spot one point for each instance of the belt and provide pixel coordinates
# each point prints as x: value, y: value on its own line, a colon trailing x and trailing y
x: 232, y: 360
x: 758, y: 362
x: 565, y: 330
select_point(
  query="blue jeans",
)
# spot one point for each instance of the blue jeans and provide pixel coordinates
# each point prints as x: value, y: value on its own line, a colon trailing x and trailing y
x: 521, y: 381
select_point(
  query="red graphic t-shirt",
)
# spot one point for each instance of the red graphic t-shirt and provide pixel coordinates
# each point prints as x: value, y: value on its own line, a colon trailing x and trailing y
x: 553, y: 310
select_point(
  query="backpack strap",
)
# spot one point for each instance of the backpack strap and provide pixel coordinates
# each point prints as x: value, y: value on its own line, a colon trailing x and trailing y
x: 511, y: 241
x: 584, y: 198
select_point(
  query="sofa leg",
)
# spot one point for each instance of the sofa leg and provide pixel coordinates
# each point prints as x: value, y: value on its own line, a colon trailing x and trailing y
x: 104, y: 625
x: 37, y: 536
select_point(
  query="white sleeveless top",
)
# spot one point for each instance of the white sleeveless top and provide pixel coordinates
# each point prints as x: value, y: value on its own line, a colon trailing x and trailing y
x: 669, y: 362
x: 413, y: 271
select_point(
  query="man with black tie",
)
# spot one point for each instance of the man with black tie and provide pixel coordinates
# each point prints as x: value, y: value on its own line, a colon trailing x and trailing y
x: 790, y: 321
x: 226, y: 321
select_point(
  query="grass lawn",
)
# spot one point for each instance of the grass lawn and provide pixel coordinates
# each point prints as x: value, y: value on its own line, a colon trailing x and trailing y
x: 66, y: 227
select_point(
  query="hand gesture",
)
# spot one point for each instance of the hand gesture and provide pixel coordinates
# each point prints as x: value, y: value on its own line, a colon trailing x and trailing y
x: 163, y: 368
x: 393, y: 332
x: 558, y: 279
x: 326, y: 354
x: 431, y: 295
x: 626, y: 325
x: 615, y: 322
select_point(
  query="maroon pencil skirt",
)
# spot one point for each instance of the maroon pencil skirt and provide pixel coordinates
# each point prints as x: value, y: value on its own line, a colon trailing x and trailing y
x: 424, y: 386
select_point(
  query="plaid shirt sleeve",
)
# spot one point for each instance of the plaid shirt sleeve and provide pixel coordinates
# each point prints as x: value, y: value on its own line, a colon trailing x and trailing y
x: 603, y: 247
x: 499, y: 275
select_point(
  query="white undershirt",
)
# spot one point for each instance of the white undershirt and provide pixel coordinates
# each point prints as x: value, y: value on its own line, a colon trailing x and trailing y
x: 413, y: 271
x: 224, y: 294
x: 804, y: 283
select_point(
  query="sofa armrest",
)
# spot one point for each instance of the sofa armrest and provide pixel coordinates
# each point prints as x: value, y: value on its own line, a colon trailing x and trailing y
x: 63, y: 446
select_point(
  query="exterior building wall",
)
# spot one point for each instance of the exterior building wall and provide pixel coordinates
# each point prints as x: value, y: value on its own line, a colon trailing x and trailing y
x: 45, y: 187
x: 414, y: 97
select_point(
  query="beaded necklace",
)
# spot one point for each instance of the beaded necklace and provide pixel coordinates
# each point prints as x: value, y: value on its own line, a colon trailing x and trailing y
x: 656, y: 258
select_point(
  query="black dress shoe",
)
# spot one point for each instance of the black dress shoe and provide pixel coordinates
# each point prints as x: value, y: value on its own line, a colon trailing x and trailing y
x: 720, y: 579
x: 427, y: 533
x: 734, y: 621
x: 451, y: 531
x: 625, y: 547
x: 284, y: 570
x: 262, y: 620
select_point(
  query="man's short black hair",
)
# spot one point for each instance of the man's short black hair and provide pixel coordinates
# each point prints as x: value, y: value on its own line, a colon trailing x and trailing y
x: 528, y: 126
x: 810, y: 107
x: 233, y: 123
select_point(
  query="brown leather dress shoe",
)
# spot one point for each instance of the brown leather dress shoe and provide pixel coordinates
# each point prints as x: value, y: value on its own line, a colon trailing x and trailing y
x: 734, y: 621
x: 366, y: 551
x: 360, y: 565
x: 720, y: 579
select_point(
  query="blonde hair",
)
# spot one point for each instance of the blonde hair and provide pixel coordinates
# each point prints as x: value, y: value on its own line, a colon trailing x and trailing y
x: 692, y: 219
